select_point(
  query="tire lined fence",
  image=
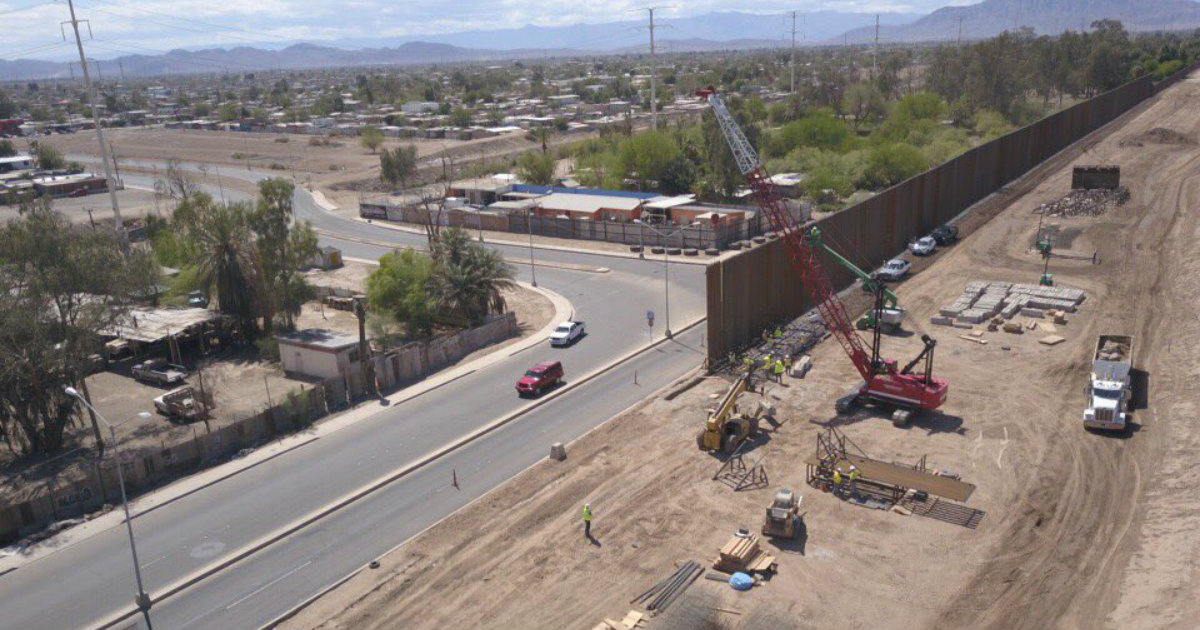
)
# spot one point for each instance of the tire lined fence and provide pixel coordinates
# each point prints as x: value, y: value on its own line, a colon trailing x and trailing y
x: 756, y: 289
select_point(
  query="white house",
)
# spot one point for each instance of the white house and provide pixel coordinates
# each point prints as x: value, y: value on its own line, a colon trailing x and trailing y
x: 317, y: 352
x: 16, y: 163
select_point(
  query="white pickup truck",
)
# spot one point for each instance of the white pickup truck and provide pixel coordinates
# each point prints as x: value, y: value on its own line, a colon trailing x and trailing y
x: 159, y: 372
x: 1110, y: 388
x: 566, y: 333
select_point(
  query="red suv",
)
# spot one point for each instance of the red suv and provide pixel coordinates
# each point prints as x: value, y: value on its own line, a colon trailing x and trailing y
x: 540, y: 378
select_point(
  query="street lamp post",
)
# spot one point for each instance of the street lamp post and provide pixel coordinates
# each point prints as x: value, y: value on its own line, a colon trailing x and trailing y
x: 664, y: 237
x: 142, y: 600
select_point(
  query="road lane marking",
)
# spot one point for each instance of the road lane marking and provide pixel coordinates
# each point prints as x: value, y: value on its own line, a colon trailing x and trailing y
x: 268, y: 585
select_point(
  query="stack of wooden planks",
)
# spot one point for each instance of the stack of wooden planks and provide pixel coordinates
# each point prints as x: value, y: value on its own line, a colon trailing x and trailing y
x: 744, y: 554
x: 632, y: 620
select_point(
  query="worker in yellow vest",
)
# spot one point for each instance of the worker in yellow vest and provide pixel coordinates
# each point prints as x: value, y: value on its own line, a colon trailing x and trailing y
x: 779, y: 370
x: 854, y: 475
x: 587, y: 520
x: 837, y: 482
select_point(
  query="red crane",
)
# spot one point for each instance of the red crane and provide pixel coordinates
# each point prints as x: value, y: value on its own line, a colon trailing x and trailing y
x: 883, y: 382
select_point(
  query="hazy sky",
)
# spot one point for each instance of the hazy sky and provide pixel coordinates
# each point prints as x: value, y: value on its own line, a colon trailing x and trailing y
x: 31, y: 28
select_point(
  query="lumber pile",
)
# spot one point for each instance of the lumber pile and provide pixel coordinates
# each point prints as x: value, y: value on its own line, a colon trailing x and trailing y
x: 743, y: 553
x: 633, y: 619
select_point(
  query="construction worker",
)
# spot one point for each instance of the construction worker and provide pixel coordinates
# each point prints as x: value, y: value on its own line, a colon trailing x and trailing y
x: 787, y: 363
x: 779, y: 370
x: 765, y: 336
x: 587, y: 520
x: 778, y: 333
x: 854, y: 475
x: 837, y: 482
x: 748, y: 363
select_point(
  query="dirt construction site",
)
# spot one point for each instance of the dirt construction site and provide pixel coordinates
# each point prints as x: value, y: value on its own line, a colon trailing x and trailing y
x: 1070, y: 528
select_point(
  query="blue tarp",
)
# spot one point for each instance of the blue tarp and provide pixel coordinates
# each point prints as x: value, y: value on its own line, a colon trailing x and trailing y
x: 741, y: 582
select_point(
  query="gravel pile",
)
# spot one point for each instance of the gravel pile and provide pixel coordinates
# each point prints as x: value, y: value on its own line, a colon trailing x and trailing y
x: 1092, y: 202
x: 1158, y: 135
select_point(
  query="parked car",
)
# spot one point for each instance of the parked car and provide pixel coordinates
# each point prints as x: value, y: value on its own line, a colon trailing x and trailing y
x: 923, y: 246
x: 540, y: 378
x: 198, y: 299
x: 159, y: 372
x: 945, y: 234
x: 566, y: 333
x: 894, y: 269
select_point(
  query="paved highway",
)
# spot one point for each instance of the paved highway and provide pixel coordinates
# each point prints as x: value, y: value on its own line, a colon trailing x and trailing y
x: 91, y: 579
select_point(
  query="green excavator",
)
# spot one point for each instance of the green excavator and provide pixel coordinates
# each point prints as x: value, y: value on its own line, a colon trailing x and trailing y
x: 889, y: 316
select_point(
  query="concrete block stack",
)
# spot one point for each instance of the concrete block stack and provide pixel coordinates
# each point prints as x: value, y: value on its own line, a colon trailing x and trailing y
x: 981, y: 301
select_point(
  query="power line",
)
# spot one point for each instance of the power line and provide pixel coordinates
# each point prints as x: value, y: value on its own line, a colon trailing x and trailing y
x: 209, y: 25
x: 20, y: 9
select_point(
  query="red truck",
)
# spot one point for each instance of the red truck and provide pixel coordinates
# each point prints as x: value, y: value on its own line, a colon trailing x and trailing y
x: 540, y: 378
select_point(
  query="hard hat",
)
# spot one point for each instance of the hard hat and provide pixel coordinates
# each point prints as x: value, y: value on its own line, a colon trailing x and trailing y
x: 853, y: 467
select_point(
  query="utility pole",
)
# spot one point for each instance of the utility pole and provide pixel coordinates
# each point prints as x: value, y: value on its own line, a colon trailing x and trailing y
x: 875, y: 50
x: 793, y: 62
x: 653, y: 76
x: 108, y: 176
x: 121, y: 65
x: 959, y: 42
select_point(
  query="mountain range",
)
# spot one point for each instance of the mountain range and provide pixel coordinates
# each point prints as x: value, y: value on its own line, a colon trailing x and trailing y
x: 1046, y: 17
x: 710, y: 31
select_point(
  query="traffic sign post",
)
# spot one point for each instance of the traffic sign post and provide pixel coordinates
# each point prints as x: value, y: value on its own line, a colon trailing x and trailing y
x: 650, y: 324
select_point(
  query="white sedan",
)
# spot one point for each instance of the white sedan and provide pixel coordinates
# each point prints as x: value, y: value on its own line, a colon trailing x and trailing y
x: 923, y: 246
x: 894, y: 269
x: 566, y: 333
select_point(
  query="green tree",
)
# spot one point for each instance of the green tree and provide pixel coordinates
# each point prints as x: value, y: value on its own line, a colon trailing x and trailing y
x: 49, y: 158
x: 229, y: 111
x: 893, y: 163
x: 225, y: 260
x: 6, y: 148
x: 400, y: 288
x: 864, y: 102
x: 679, y: 177
x: 646, y: 156
x: 535, y: 167
x: 468, y: 278
x: 397, y: 166
x: 282, y: 249
x: 60, y: 288
x: 820, y: 129
x: 371, y: 138
x: 461, y: 117
x: 8, y: 108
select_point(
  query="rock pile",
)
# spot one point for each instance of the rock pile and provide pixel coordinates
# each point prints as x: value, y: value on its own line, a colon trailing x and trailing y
x: 1157, y: 135
x: 1091, y: 202
x: 981, y: 301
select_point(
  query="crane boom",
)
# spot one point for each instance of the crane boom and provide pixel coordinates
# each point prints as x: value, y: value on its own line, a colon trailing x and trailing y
x: 882, y: 380
x: 804, y: 259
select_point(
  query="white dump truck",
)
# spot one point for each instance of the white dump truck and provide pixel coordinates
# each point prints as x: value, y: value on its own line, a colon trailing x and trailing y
x: 1110, y: 389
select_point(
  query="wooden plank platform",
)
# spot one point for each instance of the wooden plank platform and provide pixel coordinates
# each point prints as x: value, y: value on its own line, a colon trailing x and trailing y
x: 903, y: 476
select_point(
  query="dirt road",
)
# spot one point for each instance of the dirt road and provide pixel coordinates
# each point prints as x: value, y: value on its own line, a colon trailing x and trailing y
x: 1081, y: 530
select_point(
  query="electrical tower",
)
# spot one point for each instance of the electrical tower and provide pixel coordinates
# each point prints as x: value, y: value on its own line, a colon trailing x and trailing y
x: 95, y: 103
x: 793, y: 63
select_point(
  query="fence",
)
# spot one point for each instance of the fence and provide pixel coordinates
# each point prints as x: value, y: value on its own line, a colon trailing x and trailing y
x: 88, y: 485
x: 755, y: 289
x: 83, y: 489
x: 702, y: 236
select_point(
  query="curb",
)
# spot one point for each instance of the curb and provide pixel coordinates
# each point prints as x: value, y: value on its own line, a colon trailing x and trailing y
x: 274, y: 623
x: 378, y: 484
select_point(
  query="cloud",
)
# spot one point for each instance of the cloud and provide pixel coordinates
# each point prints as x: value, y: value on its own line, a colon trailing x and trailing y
x: 32, y: 29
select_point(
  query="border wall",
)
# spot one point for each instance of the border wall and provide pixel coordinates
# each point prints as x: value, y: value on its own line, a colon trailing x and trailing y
x: 758, y: 288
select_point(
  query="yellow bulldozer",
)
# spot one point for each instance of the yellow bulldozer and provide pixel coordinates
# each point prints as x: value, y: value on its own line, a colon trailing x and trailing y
x: 727, y: 426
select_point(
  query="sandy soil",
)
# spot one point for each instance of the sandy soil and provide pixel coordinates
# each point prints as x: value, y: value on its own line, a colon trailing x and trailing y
x: 1081, y: 530
x: 344, y: 160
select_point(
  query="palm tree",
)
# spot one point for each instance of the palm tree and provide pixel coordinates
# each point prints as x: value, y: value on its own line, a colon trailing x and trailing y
x: 469, y: 279
x: 225, y: 259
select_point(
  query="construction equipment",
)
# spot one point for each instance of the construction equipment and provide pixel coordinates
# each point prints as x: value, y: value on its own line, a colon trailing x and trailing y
x: 1111, y: 386
x: 883, y: 381
x: 783, y: 516
x: 890, y: 316
x: 727, y: 427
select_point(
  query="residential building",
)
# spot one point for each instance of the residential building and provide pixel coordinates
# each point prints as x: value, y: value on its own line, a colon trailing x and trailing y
x: 317, y: 352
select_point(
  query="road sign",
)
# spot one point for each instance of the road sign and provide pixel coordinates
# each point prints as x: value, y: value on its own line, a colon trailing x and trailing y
x: 650, y: 318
